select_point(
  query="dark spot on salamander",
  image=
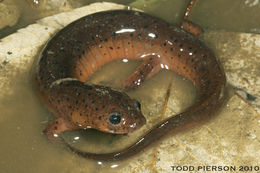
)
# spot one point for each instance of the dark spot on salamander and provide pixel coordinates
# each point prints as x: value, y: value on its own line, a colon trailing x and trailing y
x: 204, y: 56
x: 78, y: 48
x: 204, y: 63
x: 110, y: 47
x: 155, y: 21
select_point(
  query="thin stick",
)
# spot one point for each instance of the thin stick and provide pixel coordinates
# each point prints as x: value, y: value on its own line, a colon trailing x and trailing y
x: 166, y: 100
x: 188, y: 9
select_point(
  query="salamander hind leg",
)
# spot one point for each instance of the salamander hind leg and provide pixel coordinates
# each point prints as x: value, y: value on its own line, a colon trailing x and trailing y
x: 58, y: 126
x: 187, y: 25
x: 147, y: 69
x: 190, y: 27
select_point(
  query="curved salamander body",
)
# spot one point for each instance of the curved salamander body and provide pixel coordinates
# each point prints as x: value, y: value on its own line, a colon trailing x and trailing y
x: 85, y: 45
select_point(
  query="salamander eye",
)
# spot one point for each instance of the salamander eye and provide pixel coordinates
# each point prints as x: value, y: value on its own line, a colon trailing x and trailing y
x: 138, y: 105
x: 115, y: 118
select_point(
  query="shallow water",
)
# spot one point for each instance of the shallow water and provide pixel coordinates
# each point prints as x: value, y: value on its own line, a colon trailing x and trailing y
x: 23, y: 117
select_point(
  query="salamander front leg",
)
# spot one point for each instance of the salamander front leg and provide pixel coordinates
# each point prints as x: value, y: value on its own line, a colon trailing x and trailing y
x: 58, y: 126
x: 147, y: 69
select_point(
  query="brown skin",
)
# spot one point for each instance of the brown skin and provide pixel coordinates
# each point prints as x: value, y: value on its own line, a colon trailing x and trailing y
x: 85, y: 45
x: 190, y: 27
x: 82, y: 106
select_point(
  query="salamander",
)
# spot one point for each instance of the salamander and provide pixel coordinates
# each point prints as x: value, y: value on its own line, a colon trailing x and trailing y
x: 85, y: 45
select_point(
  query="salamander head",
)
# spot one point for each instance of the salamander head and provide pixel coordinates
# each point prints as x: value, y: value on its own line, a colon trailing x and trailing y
x: 117, y: 113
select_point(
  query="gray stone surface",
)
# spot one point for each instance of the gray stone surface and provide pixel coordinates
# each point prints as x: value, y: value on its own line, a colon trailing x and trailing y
x: 9, y: 13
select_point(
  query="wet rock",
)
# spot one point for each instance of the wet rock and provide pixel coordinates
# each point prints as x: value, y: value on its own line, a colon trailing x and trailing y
x: 50, y: 7
x: 9, y: 13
